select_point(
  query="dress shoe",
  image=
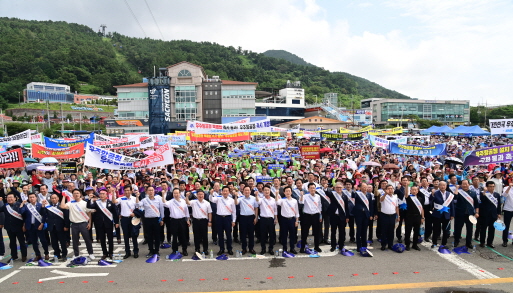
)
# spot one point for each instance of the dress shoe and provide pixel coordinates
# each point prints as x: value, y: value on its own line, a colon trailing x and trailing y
x: 352, y: 240
x: 236, y: 240
x: 293, y: 251
x: 149, y: 255
x: 136, y: 255
x: 332, y: 249
x: 262, y: 252
x: 127, y: 256
x: 469, y: 246
x: 188, y: 243
x: 220, y: 252
x: 505, y: 244
x: 144, y: 242
x: 23, y: 258
x: 318, y: 249
x: 390, y: 247
x: 37, y: 258
x: 185, y: 253
x: 383, y: 248
x: 104, y: 257
x: 475, y: 239
x: 302, y: 250
x: 270, y: 252
x: 322, y: 241
x: 243, y: 251
x: 427, y: 239
x: 64, y: 259
x: 407, y: 248
x: 67, y: 244
x: 252, y: 251
x: 416, y: 247
x: 456, y: 244
x: 257, y: 240
x: 400, y: 240
x: 482, y: 245
x: 215, y: 242
x: 119, y: 241
x: 433, y: 245
x: 47, y: 257
x: 490, y: 245
x: 230, y: 252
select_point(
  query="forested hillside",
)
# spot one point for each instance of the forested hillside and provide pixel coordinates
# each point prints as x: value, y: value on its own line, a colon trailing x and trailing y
x: 74, y: 54
x: 282, y: 54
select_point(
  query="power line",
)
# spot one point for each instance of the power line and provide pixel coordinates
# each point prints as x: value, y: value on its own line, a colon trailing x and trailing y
x: 154, y: 19
x: 140, y: 26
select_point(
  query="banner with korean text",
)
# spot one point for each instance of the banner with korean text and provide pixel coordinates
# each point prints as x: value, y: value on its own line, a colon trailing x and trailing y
x: 210, y: 128
x: 62, y: 143
x: 265, y: 145
x: 417, y: 150
x: 311, y: 152
x: 41, y: 152
x: 491, y: 155
x: 501, y: 126
x: 17, y: 139
x: 101, y: 158
x: 239, y: 136
x: 344, y: 136
x: 12, y: 159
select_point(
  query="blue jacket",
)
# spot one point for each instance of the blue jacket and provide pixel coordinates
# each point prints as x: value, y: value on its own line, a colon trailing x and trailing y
x: 439, y: 199
x: 360, y: 209
x: 27, y: 215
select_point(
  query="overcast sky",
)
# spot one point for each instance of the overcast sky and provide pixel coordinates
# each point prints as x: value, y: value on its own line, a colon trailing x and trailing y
x: 426, y: 49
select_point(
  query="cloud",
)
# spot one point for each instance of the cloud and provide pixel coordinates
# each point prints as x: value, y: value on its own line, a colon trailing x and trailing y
x: 458, y: 49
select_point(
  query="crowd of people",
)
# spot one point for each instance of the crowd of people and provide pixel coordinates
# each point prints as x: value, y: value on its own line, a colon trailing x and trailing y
x: 240, y: 199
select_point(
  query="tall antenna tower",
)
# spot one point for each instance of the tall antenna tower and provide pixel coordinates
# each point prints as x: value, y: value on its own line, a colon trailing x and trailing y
x: 103, y: 26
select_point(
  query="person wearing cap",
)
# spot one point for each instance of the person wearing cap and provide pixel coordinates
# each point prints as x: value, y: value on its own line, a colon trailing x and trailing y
x: 58, y: 225
x: 490, y: 211
x: 35, y: 218
x: 153, y: 213
x: 127, y: 206
x: 226, y: 218
x: 13, y: 224
x: 179, y: 220
x: 105, y: 219
x: 466, y: 205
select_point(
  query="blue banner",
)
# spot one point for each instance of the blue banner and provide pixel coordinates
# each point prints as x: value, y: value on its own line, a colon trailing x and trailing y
x: 60, y: 143
x: 275, y: 166
x: 264, y: 179
x: 417, y: 150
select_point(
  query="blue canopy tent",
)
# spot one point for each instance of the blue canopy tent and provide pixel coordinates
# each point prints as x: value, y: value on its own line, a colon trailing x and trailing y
x: 437, y: 130
x: 468, y: 131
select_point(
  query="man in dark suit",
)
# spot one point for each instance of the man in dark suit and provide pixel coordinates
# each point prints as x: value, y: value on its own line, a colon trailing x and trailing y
x: 401, y: 191
x: 443, y: 213
x: 58, y: 225
x: 338, y: 216
x: 414, y: 217
x: 35, y: 217
x: 13, y: 224
x: 490, y: 209
x: 324, y: 192
x: 363, y: 212
x: 104, y: 218
x: 466, y: 205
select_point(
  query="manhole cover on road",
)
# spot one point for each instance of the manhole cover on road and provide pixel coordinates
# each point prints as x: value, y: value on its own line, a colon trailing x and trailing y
x: 490, y: 255
x: 277, y: 263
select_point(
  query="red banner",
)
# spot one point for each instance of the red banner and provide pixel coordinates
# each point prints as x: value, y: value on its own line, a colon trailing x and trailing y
x: 311, y: 152
x: 75, y: 151
x: 12, y: 159
x: 239, y: 136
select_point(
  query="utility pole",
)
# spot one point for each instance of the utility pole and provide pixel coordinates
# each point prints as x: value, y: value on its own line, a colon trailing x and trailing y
x: 62, y: 120
x: 48, y: 112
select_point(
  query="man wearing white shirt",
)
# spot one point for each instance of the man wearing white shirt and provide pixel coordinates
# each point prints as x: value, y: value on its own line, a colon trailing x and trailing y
x: 201, y: 220
x: 389, y: 215
x: 153, y: 212
x: 127, y: 207
x: 508, y: 212
x: 247, y: 219
x: 289, y: 219
x: 311, y: 217
x: 179, y: 220
x: 268, y: 220
x: 311, y: 178
x: 226, y: 217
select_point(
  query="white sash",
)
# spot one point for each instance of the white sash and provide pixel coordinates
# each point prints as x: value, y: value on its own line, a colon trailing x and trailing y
x: 13, y: 212
x: 55, y: 210
x: 446, y: 202
x: 290, y: 206
x: 323, y: 194
x: 417, y: 203
x: 339, y: 200
x: 248, y: 204
x: 23, y: 196
x: 35, y: 213
x: 41, y: 197
x: 389, y: 199
x: 491, y: 198
x: 467, y: 197
x: 268, y: 206
x: 298, y: 192
x: 80, y: 211
x: 179, y: 206
x: 199, y: 206
x: 154, y: 208
x: 105, y: 210
x: 364, y: 199
x: 226, y: 206
x: 311, y: 198
x: 425, y: 192
x: 452, y: 188
x: 381, y: 192
x: 349, y: 196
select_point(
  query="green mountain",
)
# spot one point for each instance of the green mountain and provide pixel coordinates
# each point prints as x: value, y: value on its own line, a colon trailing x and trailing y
x: 74, y: 54
x: 282, y: 54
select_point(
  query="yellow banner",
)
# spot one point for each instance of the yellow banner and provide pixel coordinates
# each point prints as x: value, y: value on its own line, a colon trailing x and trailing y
x: 395, y: 130
x: 187, y: 136
x: 367, y: 128
x: 344, y: 130
x: 265, y: 133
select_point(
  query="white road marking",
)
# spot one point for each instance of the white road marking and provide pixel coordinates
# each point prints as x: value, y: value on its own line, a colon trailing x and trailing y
x: 66, y: 275
x: 8, y: 276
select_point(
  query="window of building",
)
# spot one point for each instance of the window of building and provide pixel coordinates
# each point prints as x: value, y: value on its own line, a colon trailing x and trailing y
x: 184, y: 72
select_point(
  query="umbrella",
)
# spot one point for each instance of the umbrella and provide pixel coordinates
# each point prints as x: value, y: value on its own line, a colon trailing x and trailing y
x: 326, y: 150
x: 49, y: 160
x: 371, y: 163
x: 454, y: 159
x: 390, y: 166
x: 34, y: 166
x: 222, y: 147
x: 30, y: 160
x: 180, y: 150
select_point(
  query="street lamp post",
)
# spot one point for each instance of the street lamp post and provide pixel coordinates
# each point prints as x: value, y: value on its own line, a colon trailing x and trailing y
x: 19, y: 99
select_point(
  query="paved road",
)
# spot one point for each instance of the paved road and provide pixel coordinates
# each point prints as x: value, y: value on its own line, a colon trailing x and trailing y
x: 387, y: 271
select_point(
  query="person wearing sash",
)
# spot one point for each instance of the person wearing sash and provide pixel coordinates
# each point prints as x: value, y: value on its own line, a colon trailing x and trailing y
x: 153, y: 212
x: 478, y: 189
x: 179, y: 220
x: 13, y: 224
x: 490, y: 211
x: 363, y: 212
x: 348, y: 191
x: 466, y: 205
x: 378, y: 192
x: 247, y: 219
x: 275, y: 190
x: 105, y: 219
x: 311, y: 217
x: 127, y: 206
x: 268, y: 219
x: 201, y: 220
x: 80, y: 218
x: 43, y: 194
x: 226, y: 217
x: 324, y: 192
x: 427, y: 206
x: 338, y: 216
x: 414, y: 217
x: 374, y: 203
x: 58, y: 224
x: 215, y: 192
x: 389, y: 215
x: 258, y: 191
x: 443, y: 213
x: 289, y: 219
x: 168, y: 195
x: 401, y: 191
x: 35, y: 219
x: 508, y: 212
